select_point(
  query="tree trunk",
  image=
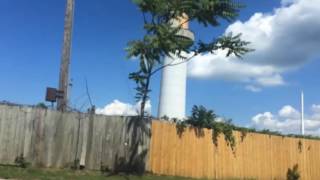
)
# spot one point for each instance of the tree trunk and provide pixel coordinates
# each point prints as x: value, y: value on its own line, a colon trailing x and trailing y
x: 145, y: 97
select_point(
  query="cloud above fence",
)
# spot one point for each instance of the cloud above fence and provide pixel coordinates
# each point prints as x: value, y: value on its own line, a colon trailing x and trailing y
x: 284, y: 40
x: 288, y: 120
x: 118, y: 108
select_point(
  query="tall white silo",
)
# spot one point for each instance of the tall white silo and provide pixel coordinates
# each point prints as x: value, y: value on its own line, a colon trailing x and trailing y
x: 172, y: 101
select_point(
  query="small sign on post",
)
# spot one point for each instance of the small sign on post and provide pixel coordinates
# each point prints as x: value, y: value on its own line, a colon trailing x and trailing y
x: 52, y: 94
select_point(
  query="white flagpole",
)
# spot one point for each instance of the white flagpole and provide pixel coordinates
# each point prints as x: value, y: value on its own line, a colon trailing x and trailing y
x: 302, y: 113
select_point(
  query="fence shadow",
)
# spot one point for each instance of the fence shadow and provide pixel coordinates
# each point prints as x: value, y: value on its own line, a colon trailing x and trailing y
x: 134, y: 160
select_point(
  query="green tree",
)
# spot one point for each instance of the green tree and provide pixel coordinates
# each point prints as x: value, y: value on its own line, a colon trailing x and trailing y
x: 42, y: 105
x: 201, y: 117
x: 162, y: 37
x: 293, y: 174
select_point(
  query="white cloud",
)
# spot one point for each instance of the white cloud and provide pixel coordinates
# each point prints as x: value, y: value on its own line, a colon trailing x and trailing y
x: 283, y: 40
x: 253, y: 88
x: 316, y: 111
x: 123, y: 109
x: 287, y: 2
x: 289, y: 112
x: 315, y: 108
x: 218, y: 67
x: 221, y: 119
x: 288, y: 120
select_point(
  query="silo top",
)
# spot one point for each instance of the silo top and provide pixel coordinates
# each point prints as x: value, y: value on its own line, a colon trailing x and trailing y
x: 183, y: 20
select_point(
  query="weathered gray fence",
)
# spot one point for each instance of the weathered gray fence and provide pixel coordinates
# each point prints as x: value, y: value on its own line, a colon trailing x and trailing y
x: 48, y: 138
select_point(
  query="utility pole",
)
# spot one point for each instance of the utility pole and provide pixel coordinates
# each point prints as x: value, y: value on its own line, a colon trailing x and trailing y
x: 62, y: 103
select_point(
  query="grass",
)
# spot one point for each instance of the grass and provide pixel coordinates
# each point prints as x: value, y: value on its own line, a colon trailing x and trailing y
x: 9, y: 172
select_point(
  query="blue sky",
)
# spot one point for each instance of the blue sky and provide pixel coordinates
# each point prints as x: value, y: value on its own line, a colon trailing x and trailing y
x: 31, y: 42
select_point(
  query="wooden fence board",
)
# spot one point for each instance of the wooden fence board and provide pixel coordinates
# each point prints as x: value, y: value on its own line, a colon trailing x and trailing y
x: 48, y: 138
x: 258, y: 156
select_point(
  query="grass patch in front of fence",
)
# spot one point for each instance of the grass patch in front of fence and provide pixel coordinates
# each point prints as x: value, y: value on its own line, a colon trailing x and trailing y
x: 11, y: 172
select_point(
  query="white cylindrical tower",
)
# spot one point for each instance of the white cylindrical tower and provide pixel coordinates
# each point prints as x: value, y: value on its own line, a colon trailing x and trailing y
x: 174, y: 81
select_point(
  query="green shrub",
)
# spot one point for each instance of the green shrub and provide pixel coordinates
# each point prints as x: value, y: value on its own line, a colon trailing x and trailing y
x: 293, y: 174
x: 20, y: 161
x: 76, y: 164
x: 42, y: 106
x: 203, y: 118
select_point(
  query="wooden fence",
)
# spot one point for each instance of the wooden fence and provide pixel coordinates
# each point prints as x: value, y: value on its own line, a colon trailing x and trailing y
x: 49, y: 138
x: 256, y: 156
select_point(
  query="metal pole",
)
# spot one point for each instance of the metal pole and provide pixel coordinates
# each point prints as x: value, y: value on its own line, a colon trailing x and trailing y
x: 302, y: 113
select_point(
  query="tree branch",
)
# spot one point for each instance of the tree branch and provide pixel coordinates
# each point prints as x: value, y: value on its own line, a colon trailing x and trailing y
x: 170, y: 64
x: 88, y: 94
